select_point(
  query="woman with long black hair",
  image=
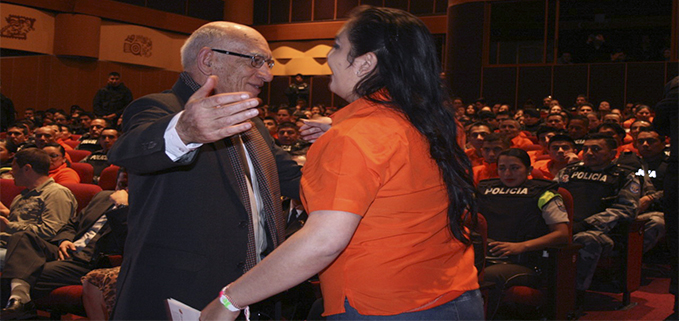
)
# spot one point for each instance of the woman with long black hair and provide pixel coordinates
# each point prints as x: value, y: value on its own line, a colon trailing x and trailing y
x: 387, y: 189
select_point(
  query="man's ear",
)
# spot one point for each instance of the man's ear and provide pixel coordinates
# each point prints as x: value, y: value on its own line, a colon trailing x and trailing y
x: 365, y: 64
x: 204, y: 61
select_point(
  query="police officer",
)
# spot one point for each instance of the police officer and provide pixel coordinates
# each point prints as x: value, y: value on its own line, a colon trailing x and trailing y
x: 604, y: 194
x: 650, y: 166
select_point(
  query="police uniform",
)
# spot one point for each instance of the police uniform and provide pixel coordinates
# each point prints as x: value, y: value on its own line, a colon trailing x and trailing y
x: 601, y: 199
x: 650, y: 175
x: 517, y: 214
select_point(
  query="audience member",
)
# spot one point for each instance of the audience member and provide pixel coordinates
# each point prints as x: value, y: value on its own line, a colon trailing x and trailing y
x: 493, y: 145
x: 634, y: 130
x: 612, y: 118
x: 110, y: 101
x: 555, y: 120
x: 544, y: 134
x: 18, y: 135
x: 290, y: 141
x: 7, y: 151
x: 561, y: 153
x: 60, y: 169
x: 476, y: 134
x: 604, y: 195
x: 524, y: 216
x: 43, y: 207
x: 297, y: 90
x: 283, y: 115
x: 593, y: 121
x: 578, y: 127
x: 99, y: 159
x: 272, y: 126
x: 90, y: 140
x: 615, y: 131
x: 511, y: 129
x: 36, y: 266
x: 531, y: 120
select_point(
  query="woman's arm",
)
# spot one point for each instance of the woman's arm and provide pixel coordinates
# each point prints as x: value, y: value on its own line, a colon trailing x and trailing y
x: 557, y: 236
x: 324, y: 236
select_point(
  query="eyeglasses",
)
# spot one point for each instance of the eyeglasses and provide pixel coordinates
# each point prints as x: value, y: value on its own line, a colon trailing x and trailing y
x: 255, y: 61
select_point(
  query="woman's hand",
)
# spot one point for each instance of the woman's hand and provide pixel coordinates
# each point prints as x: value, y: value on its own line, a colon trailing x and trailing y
x: 506, y: 248
x: 216, y: 311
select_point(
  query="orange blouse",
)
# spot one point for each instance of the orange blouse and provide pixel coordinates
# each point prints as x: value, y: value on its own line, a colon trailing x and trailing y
x: 402, y: 257
x: 64, y: 175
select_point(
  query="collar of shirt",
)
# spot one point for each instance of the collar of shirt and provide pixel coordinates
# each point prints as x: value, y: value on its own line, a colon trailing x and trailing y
x: 38, y: 190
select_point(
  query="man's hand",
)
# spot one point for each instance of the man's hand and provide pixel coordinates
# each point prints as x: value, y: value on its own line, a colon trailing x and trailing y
x: 500, y: 249
x: 3, y: 223
x: 216, y: 311
x: 644, y: 203
x: 572, y: 158
x: 315, y: 128
x: 119, y: 197
x: 208, y: 118
x: 64, y: 249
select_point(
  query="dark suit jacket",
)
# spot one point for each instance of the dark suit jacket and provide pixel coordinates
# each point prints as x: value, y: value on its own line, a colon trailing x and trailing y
x: 188, y: 227
x: 111, y: 237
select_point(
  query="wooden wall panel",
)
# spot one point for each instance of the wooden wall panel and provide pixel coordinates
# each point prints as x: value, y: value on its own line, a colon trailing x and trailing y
x: 569, y: 82
x: 672, y: 71
x: 422, y: 7
x: 376, y: 3
x: 280, y: 11
x: 260, y: 15
x: 465, y: 50
x: 277, y: 91
x: 320, y: 93
x: 301, y: 10
x: 535, y: 83
x: 398, y: 4
x: 324, y: 10
x: 344, y: 7
x: 645, y: 82
x: 499, y: 85
x: 607, y: 82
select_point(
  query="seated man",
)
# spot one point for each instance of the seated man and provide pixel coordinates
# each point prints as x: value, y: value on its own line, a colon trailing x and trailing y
x: 90, y: 140
x: 578, y: 128
x: 272, y: 126
x: 544, y: 134
x: 492, y: 146
x: 475, y: 135
x: 634, y: 130
x: 35, y: 266
x: 43, y: 207
x: 289, y: 139
x: 512, y: 130
x: 561, y: 153
x: 604, y: 194
x: 531, y: 120
x: 651, y: 165
x: 99, y: 158
x: 556, y: 120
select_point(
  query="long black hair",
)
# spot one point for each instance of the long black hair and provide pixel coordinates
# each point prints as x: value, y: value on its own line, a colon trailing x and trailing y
x: 408, y: 68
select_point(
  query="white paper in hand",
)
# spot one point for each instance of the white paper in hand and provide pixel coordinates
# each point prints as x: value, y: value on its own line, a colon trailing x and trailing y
x: 179, y: 311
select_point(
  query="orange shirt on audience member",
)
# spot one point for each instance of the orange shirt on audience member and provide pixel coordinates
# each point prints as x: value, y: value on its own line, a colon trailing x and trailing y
x: 64, y: 175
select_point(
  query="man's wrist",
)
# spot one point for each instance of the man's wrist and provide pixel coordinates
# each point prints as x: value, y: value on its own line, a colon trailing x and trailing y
x: 228, y: 303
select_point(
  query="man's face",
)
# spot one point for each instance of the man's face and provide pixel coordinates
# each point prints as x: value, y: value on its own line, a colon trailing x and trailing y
x: 637, y: 126
x: 643, y: 114
x: 555, y: 121
x: 593, y: 120
x: 584, y: 110
x: 612, y: 118
x: 649, y: 144
x: 577, y: 129
x: 287, y: 135
x: 271, y: 126
x: 559, y: 150
x: 476, y: 136
x: 28, y: 114
x: 19, y: 174
x: 85, y: 121
x: 530, y: 120
x: 16, y: 135
x: 60, y: 119
x: 43, y: 136
x: 107, y: 138
x: 96, y: 126
x: 604, y: 106
x: 596, y: 154
x: 580, y: 100
x: 237, y: 73
x: 491, y: 150
x: 501, y: 118
x: 509, y: 128
x: 65, y: 132
x: 114, y: 81
x: 282, y: 116
x: 613, y: 133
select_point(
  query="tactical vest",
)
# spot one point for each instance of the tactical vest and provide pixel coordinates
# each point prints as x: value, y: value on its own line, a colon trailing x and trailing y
x: 513, y: 213
x: 592, y: 191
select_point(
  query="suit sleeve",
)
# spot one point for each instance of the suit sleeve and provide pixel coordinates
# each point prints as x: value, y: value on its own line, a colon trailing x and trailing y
x: 141, y: 148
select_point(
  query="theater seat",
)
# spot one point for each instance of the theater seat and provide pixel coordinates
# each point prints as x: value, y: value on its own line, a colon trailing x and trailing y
x: 77, y: 155
x: 8, y: 191
x: 85, y: 172
x: 63, y: 300
x: 83, y: 193
x: 108, y: 177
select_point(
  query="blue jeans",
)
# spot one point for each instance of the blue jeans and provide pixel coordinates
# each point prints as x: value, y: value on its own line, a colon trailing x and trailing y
x: 468, y: 306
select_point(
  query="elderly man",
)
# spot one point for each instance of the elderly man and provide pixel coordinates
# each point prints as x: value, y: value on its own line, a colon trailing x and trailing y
x: 205, y: 176
x: 90, y: 140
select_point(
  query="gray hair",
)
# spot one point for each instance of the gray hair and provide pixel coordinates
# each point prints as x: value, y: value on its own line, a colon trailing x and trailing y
x: 203, y: 37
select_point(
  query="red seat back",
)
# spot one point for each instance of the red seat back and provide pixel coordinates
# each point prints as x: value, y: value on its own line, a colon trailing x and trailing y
x: 77, y: 155
x: 85, y: 171
x: 8, y: 191
x: 108, y: 177
x: 83, y: 193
